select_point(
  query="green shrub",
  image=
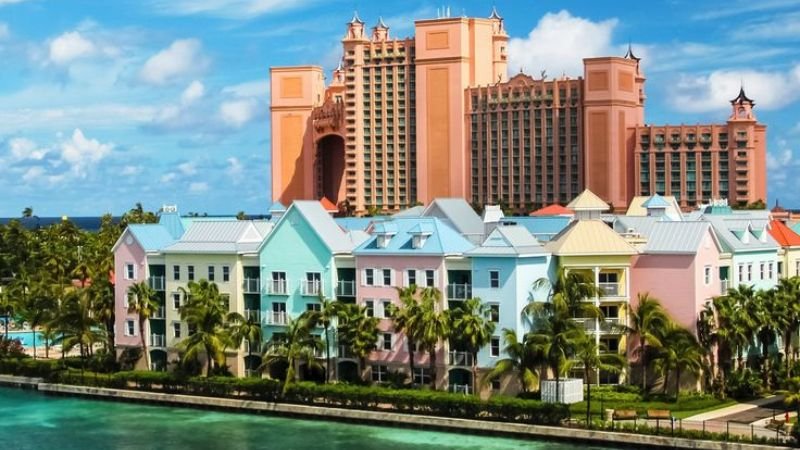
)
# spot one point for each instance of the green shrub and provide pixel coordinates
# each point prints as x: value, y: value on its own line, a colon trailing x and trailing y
x: 29, y: 367
x: 743, y: 384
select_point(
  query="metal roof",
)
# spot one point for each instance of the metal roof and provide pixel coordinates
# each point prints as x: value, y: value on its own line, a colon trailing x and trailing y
x: 457, y: 213
x: 738, y: 234
x: 542, y: 228
x: 587, y: 201
x: 509, y: 240
x: 215, y: 236
x: 587, y: 238
x: 152, y: 237
x: 443, y: 240
x: 678, y: 237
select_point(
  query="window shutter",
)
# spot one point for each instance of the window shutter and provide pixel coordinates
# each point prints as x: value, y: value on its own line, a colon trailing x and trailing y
x: 405, y: 277
x: 363, y: 277
x: 435, y: 278
x: 391, y: 277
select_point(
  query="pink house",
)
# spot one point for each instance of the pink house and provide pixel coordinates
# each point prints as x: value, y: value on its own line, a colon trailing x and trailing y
x: 680, y: 266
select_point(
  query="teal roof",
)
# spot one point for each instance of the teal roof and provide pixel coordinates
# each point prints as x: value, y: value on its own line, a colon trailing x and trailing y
x: 152, y: 237
x: 354, y: 223
x: 173, y: 224
x: 541, y: 227
x: 718, y: 210
x: 443, y: 240
x: 384, y: 227
x: 656, y: 201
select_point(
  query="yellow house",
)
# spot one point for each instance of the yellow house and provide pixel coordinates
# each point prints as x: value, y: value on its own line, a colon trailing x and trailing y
x: 789, y: 253
x: 590, y: 246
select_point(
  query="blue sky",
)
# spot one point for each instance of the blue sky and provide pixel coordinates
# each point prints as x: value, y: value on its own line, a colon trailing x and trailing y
x: 166, y: 101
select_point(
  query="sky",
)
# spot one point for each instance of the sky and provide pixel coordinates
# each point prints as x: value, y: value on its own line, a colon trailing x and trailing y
x: 107, y: 103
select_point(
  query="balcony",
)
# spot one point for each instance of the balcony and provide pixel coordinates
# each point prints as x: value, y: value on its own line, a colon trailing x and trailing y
x: 459, y: 291
x: 276, y: 318
x: 346, y: 288
x: 311, y: 288
x: 159, y: 313
x: 460, y: 389
x: 345, y: 352
x: 611, y: 325
x: 156, y: 283
x: 456, y: 358
x: 277, y: 287
x: 251, y: 285
x: 610, y: 289
x: 723, y: 287
x: 252, y: 315
x: 158, y: 341
x: 252, y: 373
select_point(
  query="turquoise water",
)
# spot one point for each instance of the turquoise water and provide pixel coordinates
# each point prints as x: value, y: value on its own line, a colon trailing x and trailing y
x: 26, y: 338
x: 29, y: 420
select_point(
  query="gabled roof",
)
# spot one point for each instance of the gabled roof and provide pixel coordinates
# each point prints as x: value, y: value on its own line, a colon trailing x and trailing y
x: 656, y: 201
x: 457, y: 213
x: 587, y: 238
x: 637, y: 206
x: 636, y: 224
x: 414, y: 211
x: 542, y: 228
x: 328, y: 205
x: 741, y: 234
x: 492, y: 214
x: 442, y: 241
x: 152, y: 237
x: 553, y: 210
x: 587, y: 201
x: 323, y: 225
x: 679, y: 237
x: 354, y: 223
x: 277, y: 207
x: 235, y: 236
x: 509, y: 240
x: 783, y: 235
x: 172, y: 222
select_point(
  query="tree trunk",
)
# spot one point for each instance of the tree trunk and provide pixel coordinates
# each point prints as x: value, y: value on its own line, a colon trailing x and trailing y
x: 588, y: 397
x: 432, y: 355
x: 327, y: 355
x: 666, y: 381
x: 786, y: 344
x: 33, y: 333
x: 643, y: 362
x: 475, y: 372
x: 410, y: 358
x: 144, y: 345
x: 677, y: 383
x: 558, y: 379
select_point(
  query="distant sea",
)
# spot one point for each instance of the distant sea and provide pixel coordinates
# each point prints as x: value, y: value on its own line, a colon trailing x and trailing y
x: 32, y: 223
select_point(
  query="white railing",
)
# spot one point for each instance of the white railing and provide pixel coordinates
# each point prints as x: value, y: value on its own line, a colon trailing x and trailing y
x: 610, y: 289
x: 158, y: 340
x: 157, y: 283
x: 252, y: 314
x: 159, y: 313
x: 460, y: 358
x: 276, y: 318
x: 459, y: 291
x: 611, y: 325
x: 251, y: 285
x: 252, y: 373
x: 345, y: 352
x: 277, y: 287
x: 460, y: 388
x: 723, y: 287
x: 345, y: 288
x: 310, y: 287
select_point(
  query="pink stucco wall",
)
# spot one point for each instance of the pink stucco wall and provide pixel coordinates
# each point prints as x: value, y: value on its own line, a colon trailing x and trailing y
x: 126, y: 253
x: 399, y: 264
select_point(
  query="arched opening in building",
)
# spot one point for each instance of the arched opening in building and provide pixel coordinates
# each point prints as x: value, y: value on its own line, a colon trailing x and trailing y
x: 459, y: 380
x: 330, y: 168
x: 251, y: 365
x: 158, y: 360
x: 348, y: 371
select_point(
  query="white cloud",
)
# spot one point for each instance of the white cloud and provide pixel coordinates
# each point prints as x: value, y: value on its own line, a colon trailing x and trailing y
x: 237, y: 113
x: 129, y: 171
x: 235, y: 167
x: 32, y: 174
x: 193, y: 92
x: 255, y: 88
x: 168, y: 177
x: 712, y: 92
x: 24, y: 148
x: 559, y: 42
x: 198, y: 187
x: 182, y: 57
x: 188, y: 168
x: 778, y: 26
x: 779, y: 161
x: 5, y: 32
x: 70, y: 46
x: 80, y: 152
x: 235, y: 9
x: 10, y: 2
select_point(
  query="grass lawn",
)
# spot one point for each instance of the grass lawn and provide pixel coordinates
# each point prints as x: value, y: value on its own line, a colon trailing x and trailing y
x: 687, y: 406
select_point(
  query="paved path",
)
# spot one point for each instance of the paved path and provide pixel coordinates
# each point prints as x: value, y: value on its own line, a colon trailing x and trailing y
x: 766, y: 410
x: 733, y: 410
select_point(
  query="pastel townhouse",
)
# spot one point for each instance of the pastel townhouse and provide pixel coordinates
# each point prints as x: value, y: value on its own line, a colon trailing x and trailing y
x: 138, y: 258
x: 307, y: 255
x: 789, y: 255
x: 590, y: 246
x: 421, y: 252
x: 223, y: 252
x: 505, y: 268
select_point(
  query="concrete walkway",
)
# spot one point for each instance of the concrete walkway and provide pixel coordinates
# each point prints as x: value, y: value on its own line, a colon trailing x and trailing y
x: 734, y: 410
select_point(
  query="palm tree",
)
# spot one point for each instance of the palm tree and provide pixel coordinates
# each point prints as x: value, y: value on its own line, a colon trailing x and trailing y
x: 434, y: 326
x: 7, y: 308
x: 357, y: 332
x: 708, y: 339
x: 407, y: 319
x: 788, y: 290
x: 244, y: 329
x: 143, y: 302
x: 556, y: 333
x: 569, y: 291
x: 472, y: 329
x: 745, y: 317
x: 594, y: 358
x: 523, y: 359
x: 771, y: 317
x: 39, y: 307
x: 680, y: 353
x: 77, y: 325
x: 647, y: 320
x: 296, y: 345
x: 27, y: 212
x: 325, y: 317
x: 204, y: 312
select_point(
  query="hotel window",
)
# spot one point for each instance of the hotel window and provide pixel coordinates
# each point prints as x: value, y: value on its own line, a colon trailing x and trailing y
x: 797, y: 267
x: 369, y: 277
x: 707, y: 275
x: 130, y: 271
x: 278, y: 283
x: 422, y: 376
x: 769, y: 271
x: 780, y: 269
x: 387, y: 308
x: 494, y: 278
x: 190, y: 273
x: 210, y: 273
x: 226, y: 274
x: 370, y: 307
x: 226, y: 301
x: 750, y: 272
x: 176, y: 300
x: 494, y: 347
x: 176, y: 330
x: 380, y: 373
x: 130, y: 328
x: 494, y: 313
x: 430, y: 278
x: 411, y: 274
x: 176, y: 272
x: 387, y: 341
x: 313, y: 307
x: 313, y: 283
x: 387, y: 277
x: 761, y: 271
x: 741, y: 272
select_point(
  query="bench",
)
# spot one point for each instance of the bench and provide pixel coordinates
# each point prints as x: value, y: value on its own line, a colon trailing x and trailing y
x: 625, y: 414
x: 776, y: 424
x: 658, y: 414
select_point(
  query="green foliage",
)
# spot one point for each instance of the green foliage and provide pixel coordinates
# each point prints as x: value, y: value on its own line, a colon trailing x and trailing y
x: 28, y: 367
x: 11, y: 348
x: 743, y: 384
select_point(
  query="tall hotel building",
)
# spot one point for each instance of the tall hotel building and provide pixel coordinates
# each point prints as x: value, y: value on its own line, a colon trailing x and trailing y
x: 409, y: 120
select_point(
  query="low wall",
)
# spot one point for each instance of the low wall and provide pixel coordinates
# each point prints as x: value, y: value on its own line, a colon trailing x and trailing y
x: 398, y: 419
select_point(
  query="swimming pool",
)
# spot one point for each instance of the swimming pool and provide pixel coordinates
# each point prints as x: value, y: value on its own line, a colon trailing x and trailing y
x: 25, y: 337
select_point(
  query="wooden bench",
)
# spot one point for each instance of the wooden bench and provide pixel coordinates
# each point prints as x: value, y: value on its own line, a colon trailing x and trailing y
x: 658, y: 414
x: 625, y: 414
